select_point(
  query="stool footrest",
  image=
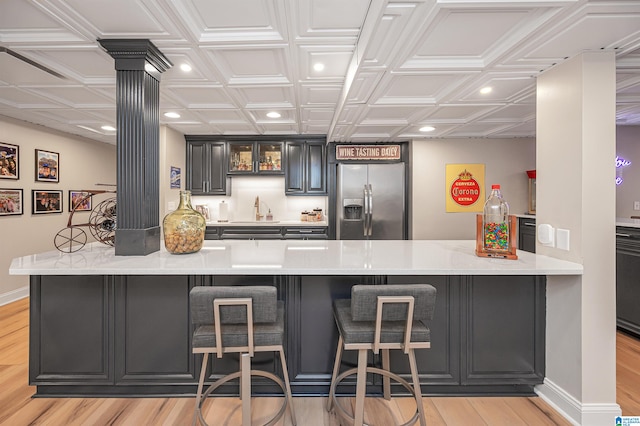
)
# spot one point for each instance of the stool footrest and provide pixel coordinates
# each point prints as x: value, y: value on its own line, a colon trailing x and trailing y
x: 350, y: 419
x: 221, y: 381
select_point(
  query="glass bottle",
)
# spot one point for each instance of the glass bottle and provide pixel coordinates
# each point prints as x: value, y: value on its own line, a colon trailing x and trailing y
x: 495, y: 222
x: 184, y: 228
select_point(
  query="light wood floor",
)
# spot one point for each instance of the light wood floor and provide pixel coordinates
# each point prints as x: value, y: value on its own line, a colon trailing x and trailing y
x: 18, y: 408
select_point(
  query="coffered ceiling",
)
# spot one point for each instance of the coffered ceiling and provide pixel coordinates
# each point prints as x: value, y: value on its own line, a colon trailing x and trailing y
x: 390, y: 67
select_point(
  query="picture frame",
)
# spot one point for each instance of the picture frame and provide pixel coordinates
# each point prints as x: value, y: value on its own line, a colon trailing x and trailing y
x: 203, y: 209
x: 79, y: 201
x: 11, y: 202
x: 47, y: 166
x: 174, y: 177
x: 9, y: 161
x: 45, y: 201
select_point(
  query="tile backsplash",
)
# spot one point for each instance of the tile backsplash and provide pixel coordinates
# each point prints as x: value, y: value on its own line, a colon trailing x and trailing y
x: 270, y: 189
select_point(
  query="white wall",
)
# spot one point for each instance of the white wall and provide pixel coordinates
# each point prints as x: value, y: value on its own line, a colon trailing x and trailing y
x: 576, y: 141
x: 83, y: 163
x: 628, y: 146
x: 506, y: 162
x: 270, y: 189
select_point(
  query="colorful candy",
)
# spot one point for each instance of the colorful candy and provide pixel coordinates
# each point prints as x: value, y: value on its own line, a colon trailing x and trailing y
x: 496, y: 236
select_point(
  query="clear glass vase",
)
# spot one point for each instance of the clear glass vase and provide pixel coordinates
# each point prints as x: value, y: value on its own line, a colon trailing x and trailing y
x: 184, y: 228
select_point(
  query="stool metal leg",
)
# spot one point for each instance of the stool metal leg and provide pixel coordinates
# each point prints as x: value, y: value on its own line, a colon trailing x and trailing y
x: 361, y: 387
x: 245, y: 388
x: 203, y: 373
x: 416, y: 386
x: 285, y: 373
x: 336, y: 368
x: 386, y: 381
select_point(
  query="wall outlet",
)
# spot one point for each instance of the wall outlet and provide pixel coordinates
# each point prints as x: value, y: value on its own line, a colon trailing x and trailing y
x: 636, y: 205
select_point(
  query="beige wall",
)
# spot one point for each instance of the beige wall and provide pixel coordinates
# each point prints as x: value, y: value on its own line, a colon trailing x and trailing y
x: 83, y: 163
x: 628, y: 146
x: 172, y: 153
x: 506, y: 161
x: 576, y: 144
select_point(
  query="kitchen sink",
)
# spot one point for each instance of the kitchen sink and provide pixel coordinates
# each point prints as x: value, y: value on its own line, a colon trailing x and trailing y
x: 255, y: 221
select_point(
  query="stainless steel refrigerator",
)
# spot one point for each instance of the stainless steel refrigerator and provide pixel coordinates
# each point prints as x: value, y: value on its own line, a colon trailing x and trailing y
x: 371, y: 202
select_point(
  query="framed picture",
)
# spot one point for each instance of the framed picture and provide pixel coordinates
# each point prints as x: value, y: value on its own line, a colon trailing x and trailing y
x: 203, y: 210
x: 79, y: 201
x: 45, y: 201
x: 9, y: 161
x: 10, y: 202
x: 47, y: 166
x: 175, y: 177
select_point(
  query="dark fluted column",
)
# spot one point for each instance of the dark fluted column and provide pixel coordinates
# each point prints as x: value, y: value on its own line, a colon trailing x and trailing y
x: 138, y: 65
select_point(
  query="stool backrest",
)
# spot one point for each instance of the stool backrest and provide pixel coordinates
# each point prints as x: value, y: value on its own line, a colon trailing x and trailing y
x: 264, y: 301
x: 364, y: 300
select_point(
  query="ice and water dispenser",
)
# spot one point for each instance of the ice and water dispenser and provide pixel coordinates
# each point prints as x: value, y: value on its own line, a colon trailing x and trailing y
x: 352, y: 208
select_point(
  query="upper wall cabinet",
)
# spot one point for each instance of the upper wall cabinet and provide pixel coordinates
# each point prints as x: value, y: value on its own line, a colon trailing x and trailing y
x: 206, y: 174
x: 255, y: 157
x: 305, y: 168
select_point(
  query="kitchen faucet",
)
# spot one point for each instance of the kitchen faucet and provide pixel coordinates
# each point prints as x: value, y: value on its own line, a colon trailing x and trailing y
x: 257, y: 208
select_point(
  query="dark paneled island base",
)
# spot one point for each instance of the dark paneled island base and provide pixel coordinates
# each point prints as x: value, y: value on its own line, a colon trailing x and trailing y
x: 130, y: 335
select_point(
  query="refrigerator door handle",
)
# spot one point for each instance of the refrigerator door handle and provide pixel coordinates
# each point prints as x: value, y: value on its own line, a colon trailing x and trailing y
x: 365, y: 223
x: 370, y: 210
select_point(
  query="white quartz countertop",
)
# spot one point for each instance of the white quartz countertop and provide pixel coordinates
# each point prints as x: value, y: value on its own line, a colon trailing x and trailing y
x: 296, y: 257
x: 629, y: 223
x: 268, y: 223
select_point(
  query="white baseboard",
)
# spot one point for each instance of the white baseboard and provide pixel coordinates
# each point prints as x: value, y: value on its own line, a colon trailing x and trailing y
x: 573, y: 410
x: 12, y: 296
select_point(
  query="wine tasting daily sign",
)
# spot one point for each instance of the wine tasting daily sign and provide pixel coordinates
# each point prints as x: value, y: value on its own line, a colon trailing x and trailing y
x: 464, y: 187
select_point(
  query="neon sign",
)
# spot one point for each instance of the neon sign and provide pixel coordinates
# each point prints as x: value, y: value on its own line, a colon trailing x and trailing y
x: 620, y: 163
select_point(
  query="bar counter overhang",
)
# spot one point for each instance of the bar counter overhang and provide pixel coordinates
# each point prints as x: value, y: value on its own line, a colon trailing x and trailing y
x: 102, y: 324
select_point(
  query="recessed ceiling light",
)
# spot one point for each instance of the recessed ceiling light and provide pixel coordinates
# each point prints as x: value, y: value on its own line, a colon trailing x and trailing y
x: 427, y: 129
x: 108, y: 128
x: 185, y: 67
x: 171, y: 115
x: 273, y: 114
x: 319, y: 66
x: 486, y: 90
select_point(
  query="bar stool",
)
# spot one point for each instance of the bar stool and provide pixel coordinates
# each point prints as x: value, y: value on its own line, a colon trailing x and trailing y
x: 382, y: 317
x: 245, y: 320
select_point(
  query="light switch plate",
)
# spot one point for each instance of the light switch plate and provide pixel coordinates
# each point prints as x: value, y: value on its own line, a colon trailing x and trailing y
x: 563, y: 239
x: 545, y: 234
x: 636, y: 205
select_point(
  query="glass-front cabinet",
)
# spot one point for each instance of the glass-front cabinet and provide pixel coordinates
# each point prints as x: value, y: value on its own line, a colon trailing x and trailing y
x: 255, y: 157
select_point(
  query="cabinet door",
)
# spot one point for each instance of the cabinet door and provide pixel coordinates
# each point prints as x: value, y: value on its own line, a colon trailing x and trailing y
x: 269, y: 158
x: 217, y: 178
x: 316, y: 176
x: 197, y: 168
x: 153, y: 343
x: 294, y: 168
x: 527, y: 234
x: 206, y: 168
x: 241, y: 157
x: 70, y: 337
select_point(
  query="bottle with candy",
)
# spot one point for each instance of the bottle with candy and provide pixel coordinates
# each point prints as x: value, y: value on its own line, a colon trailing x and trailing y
x: 495, y: 223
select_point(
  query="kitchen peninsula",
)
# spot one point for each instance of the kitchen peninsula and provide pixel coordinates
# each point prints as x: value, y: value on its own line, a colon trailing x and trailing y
x: 111, y: 325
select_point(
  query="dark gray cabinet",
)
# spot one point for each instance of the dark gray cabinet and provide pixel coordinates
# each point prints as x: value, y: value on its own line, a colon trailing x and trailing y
x: 123, y: 334
x: 627, y: 279
x: 131, y: 335
x: 305, y: 168
x: 250, y: 157
x: 205, y: 174
x: 527, y: 234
